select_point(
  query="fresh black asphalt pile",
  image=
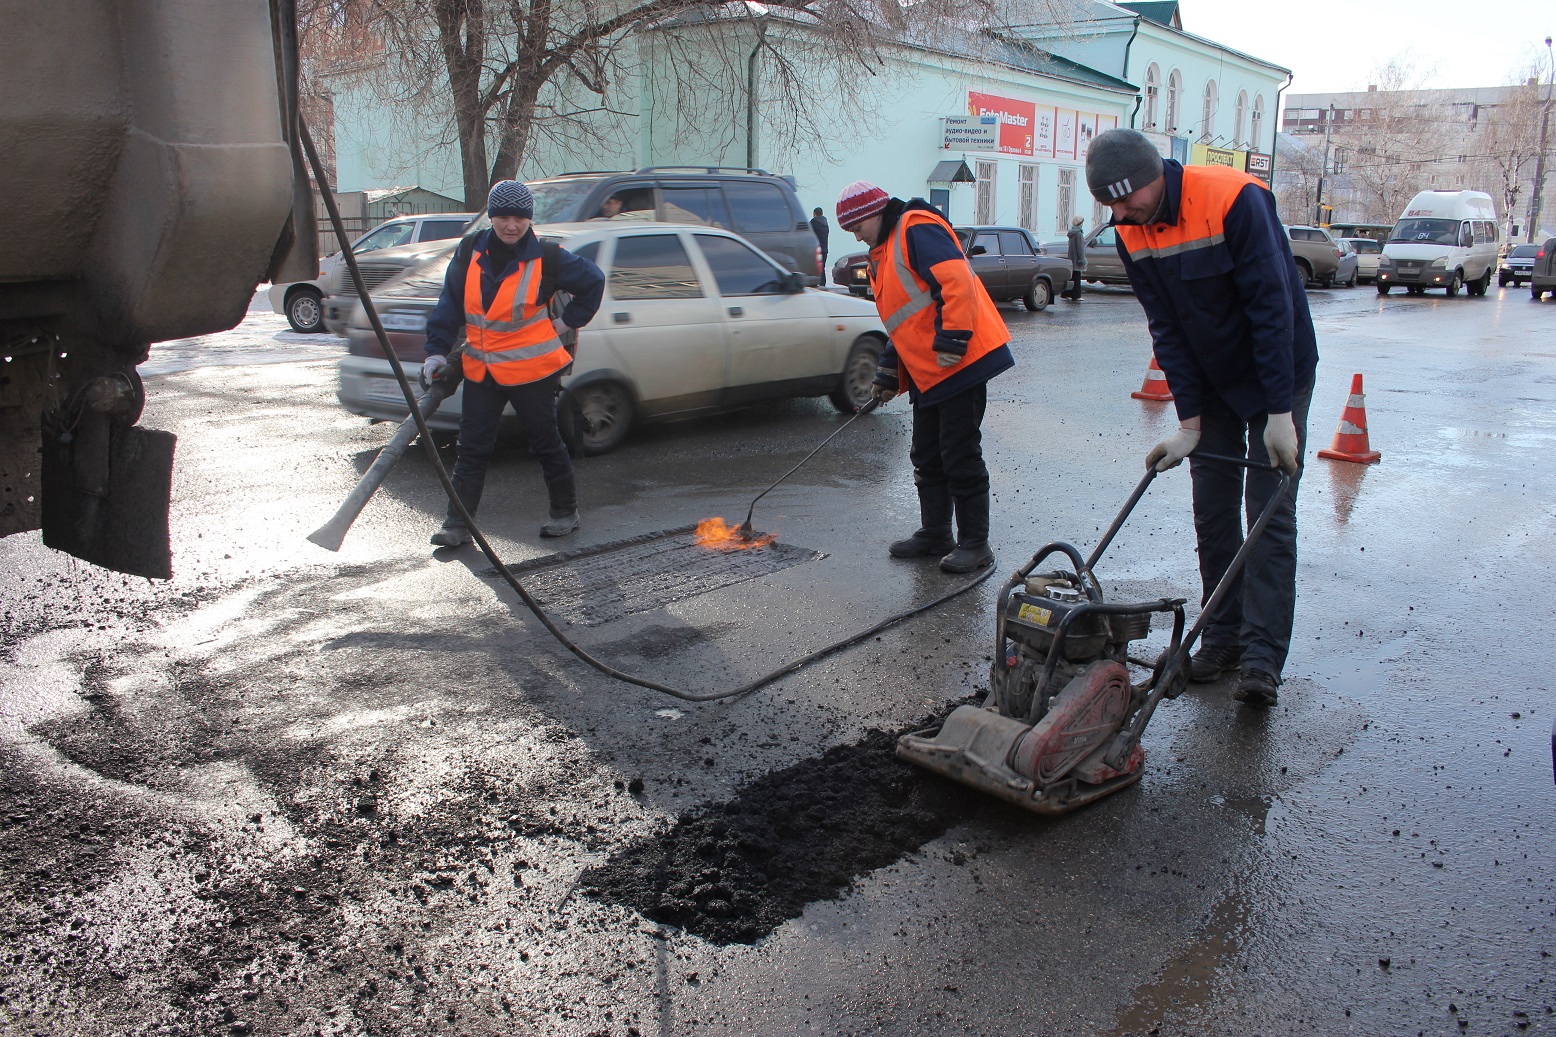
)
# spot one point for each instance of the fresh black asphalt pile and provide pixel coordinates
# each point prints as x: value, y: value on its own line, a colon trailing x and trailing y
x: 735, y: 871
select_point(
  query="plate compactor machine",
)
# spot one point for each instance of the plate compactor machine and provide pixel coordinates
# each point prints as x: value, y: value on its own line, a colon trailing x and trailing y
x: 1062, y: 722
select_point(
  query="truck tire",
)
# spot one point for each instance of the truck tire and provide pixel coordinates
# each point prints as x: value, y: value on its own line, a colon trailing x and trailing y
x: 1307, y: 272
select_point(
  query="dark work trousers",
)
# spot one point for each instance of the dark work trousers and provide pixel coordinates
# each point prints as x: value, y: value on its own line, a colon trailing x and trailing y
x: 947, y: 445
x: 1073, y: 289
x: 1259, y: 605
x: 534, y: 403
x: 823, y: 267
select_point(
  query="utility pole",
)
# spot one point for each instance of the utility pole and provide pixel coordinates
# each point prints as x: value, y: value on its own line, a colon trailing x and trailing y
x: 1318, y: 203
x: 1539, y: 159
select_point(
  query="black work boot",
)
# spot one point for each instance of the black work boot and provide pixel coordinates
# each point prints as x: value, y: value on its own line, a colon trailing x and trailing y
x: 972, y: 536
x: 1256, y: 688
x: 453, y: 532
x: 1212, y: 662
x: 934, y: 534
x: 564, y: 506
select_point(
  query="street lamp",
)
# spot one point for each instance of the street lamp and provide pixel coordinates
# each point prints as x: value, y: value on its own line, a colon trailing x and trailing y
x: 1539, y: 159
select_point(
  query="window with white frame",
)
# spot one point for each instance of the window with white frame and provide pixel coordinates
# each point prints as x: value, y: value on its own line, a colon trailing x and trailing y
x: 1256, y: 128
x: 1026, y: 196
x: 1239, y: 115
x: 1066, y: 208
x: 1099, y: 215
x: 1153, y: 90
x: 983, y: 208
x: 1207, y: 122
x: 1174, y: 99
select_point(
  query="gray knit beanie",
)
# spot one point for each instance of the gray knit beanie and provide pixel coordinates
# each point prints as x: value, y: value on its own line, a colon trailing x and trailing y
x: 1120, y: 161
x: 510, y: 198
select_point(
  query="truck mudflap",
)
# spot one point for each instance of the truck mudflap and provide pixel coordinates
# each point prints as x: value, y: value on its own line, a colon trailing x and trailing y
x: 107, y: 483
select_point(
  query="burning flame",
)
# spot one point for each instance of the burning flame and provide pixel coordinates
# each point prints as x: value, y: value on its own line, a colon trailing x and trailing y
x: 715, y: 534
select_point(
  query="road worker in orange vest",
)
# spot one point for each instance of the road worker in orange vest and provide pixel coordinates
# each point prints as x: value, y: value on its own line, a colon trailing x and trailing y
x: 1227, y: 308
x: 947, y: 341
x: 513, y: 351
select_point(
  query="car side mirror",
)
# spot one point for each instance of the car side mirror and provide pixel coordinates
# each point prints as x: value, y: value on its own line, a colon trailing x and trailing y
x: 977, y: 250
x: 793, y: 282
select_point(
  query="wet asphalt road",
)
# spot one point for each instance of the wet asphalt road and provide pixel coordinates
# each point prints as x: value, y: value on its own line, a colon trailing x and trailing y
x: 295, y: 792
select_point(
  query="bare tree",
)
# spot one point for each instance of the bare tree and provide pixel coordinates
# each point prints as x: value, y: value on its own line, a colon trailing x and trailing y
x: 1392, y: 147
x: 1510, y: 142
x: 1296, y: 180
x: 504, y: 74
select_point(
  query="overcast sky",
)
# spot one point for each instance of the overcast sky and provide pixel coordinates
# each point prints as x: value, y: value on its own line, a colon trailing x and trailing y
x: 1332, y: 45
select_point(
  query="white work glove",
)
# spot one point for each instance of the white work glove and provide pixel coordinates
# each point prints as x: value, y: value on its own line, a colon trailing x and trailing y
x: 1280, y: 440
x: 431, y: 367
x: 1170, y: 452
x: 948, y: 359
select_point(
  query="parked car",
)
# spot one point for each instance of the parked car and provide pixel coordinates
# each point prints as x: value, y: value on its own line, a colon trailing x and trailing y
x: 694, y: 320
x: 1368, y: 252
x: 1316, y: 253
x: 302, y: 302
x: 1349, y: 270
x: 759, y: 206
x: 1542, y: 277
x: 1009, y: 262
x: 1517, y: 265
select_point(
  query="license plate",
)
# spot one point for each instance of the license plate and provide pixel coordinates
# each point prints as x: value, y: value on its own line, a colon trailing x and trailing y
x: 385, y: 391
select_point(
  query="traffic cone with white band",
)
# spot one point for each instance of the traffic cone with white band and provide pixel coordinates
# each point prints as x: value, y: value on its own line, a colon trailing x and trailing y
x: 1350, y: 440
x: 1155, y: 385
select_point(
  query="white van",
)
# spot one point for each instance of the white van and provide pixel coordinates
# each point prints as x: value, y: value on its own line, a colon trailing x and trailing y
x: 1444, y: 239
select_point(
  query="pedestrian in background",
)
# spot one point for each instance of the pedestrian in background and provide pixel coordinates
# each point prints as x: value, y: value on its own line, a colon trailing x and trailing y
x: 1212, y: 266
x: 513, y: 353
x: 947, y: 341
x: 1077, y: 245
x: 818, y: 224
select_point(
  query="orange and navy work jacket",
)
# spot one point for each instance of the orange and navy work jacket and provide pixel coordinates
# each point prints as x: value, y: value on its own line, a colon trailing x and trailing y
x: 931, y: 301
x: 1224, y: 298
x: 508, y: 329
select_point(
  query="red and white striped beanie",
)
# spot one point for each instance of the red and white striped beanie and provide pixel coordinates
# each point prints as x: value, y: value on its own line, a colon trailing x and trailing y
x: 859, y: 201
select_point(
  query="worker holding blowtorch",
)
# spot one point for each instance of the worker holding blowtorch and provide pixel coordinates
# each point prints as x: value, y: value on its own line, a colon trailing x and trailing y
x: 947, y: 341
x: 497, y: 292
x: 1230, y: 327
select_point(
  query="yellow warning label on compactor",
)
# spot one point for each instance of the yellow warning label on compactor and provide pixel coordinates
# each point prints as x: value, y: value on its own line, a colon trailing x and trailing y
x: 1034, y: 614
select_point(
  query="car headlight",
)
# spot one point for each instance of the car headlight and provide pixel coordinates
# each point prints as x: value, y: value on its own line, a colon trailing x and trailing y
x: 1385, y: 261
x: 1439, y: 263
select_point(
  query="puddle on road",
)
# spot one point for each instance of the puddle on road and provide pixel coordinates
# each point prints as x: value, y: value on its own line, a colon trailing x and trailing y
x: 735, y: 871
x: 603, y: 583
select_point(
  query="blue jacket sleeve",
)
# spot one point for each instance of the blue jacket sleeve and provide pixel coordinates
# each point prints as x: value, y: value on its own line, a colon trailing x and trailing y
x: 1172, y: 350
x: 1264, y: 274
x: 584, y: 281
x: 446, y: 322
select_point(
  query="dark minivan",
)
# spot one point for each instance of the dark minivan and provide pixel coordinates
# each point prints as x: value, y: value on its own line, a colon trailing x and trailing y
x: 759, y: 206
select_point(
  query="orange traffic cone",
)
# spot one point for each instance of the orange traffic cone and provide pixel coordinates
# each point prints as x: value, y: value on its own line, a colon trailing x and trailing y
x: 1155, y: 385
x: 1350, y: 439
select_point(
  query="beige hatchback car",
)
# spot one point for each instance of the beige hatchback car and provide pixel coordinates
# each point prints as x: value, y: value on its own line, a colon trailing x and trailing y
x: 1317, y: 254
x: 695, y: 320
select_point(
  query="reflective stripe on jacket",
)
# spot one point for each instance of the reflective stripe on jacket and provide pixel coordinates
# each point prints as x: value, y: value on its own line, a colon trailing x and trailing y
x: 514, y: 337
x: 907, y: 306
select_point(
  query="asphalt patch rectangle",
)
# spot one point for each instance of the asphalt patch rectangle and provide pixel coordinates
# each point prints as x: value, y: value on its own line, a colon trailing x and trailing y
x: 599, y: 584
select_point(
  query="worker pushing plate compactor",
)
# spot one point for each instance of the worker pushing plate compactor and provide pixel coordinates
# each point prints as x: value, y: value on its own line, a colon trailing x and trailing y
x: 1062, y: 722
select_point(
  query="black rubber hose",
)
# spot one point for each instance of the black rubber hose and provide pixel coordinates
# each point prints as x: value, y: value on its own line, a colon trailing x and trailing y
x: 491, y: 555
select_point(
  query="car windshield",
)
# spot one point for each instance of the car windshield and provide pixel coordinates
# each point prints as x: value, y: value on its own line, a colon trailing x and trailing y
x: 1365, y: 245
x: 1437, y: 232
x: 558, y: 200
x: 1525, y: 251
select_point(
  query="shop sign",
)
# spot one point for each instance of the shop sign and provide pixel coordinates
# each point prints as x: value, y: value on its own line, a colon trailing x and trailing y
x: 1016, y: 120
x: 970, y: 132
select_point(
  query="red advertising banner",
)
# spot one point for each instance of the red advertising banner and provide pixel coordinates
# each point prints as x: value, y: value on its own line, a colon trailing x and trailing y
x: 1016, y: 120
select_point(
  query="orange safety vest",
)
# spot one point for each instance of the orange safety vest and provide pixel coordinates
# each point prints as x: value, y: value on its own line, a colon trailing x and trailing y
x: 908, y: 309
x: 513, y: 338
x: 1207, y: 194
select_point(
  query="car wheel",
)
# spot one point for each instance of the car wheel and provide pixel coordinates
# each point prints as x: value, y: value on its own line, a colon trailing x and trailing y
x: 305, y: 311
x: 1352, y: 282
x: 1536, y: 292
x: 1383, y: 289
x: 1502, y: 281
x: 1307, y: 272
x: 1038, y: 296
x: 1452, y: 287
x: 854, y: 386
x: 607, y: 412
x: 1327, y: 281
